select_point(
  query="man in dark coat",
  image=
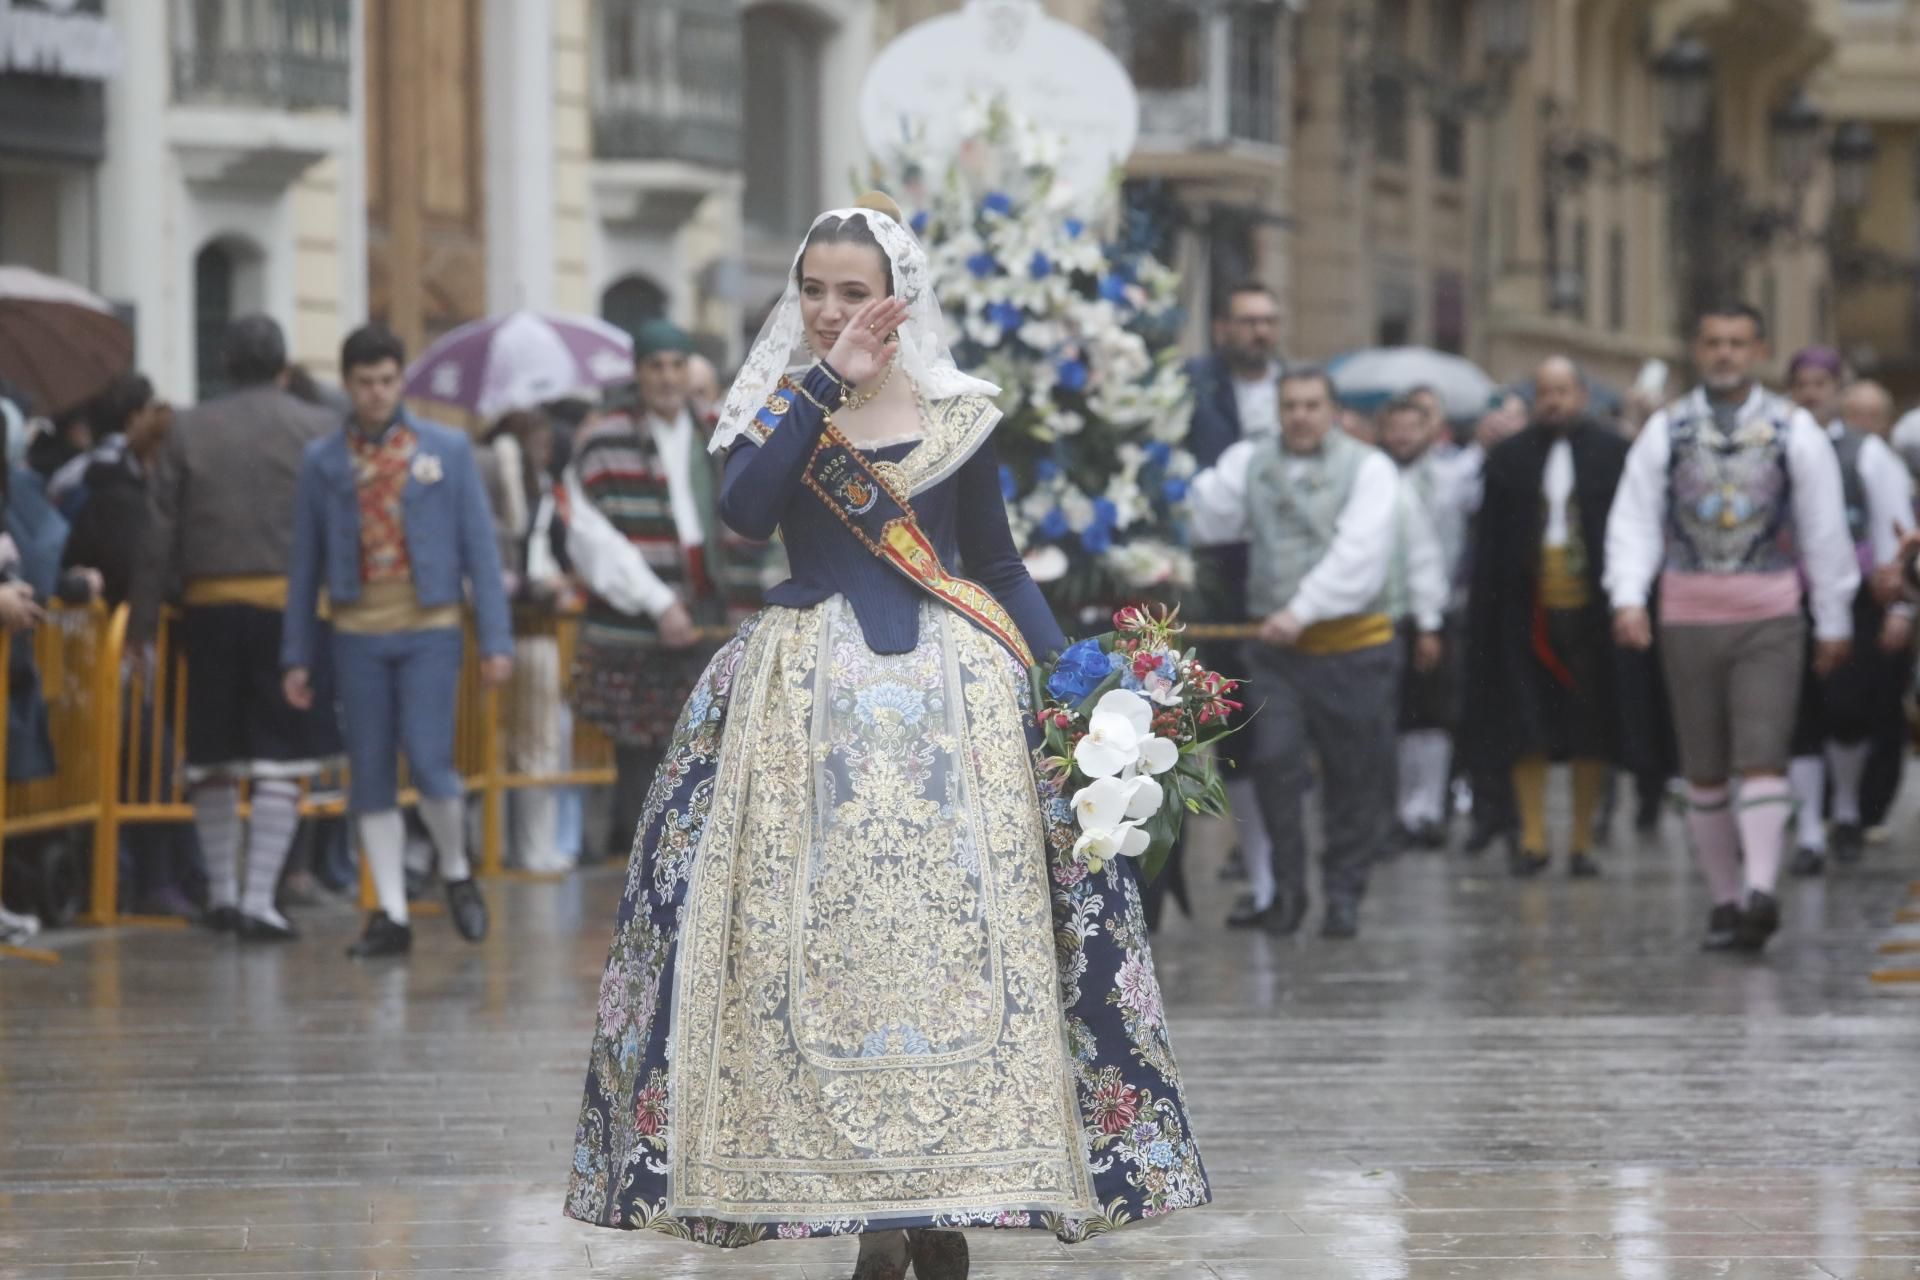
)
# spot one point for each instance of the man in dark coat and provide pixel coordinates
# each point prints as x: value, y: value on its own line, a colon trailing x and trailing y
x: 1542, y: 671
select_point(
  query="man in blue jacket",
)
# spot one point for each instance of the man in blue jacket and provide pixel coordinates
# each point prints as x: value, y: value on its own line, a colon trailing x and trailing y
x: 391, y: 520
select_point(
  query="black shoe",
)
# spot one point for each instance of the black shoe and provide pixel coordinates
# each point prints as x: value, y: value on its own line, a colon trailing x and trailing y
x: 221, y: 920
x: 1431, y: 836
x: 1245, y: 915
x: 938, y: 1255
x: 1524, y: 865
x: 1342, y: 919
x: 382, y: 938
x: 1646, y: 817
x: 468, y: 909
x: 1849, y: 843
x: 1723, y: 924
x: 1283, y: 918
x: 1583, y: 867
x: 1757, y: 922
x: 1481, y: 837
x: 1808, y: 862
x: 254, y: 929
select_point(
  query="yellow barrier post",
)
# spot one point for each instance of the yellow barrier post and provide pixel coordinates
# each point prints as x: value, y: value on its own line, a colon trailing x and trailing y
x: 106, y: 826
x: 493, y: 796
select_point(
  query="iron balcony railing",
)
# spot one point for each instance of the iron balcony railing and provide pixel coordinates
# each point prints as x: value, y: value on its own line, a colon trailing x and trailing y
x: 667, y: 81
x: 294, y: 55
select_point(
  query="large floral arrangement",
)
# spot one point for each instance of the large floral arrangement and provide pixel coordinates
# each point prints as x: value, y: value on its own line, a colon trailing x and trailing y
x: 1125, y: 716
x: 1079, y: 332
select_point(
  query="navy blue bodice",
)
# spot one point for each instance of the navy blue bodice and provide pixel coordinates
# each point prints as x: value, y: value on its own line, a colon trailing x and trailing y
x: 964, y: 516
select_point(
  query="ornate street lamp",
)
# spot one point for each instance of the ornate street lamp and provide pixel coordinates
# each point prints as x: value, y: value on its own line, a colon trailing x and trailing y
x: 1796, y: 139
x: 1685, y: 72
x: 1852, y: 154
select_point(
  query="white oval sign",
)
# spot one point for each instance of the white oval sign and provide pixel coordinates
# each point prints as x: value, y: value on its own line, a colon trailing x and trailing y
x: 1048, y: 71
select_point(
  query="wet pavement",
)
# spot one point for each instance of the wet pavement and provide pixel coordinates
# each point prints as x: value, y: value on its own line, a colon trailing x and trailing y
x: 1499, y: 1080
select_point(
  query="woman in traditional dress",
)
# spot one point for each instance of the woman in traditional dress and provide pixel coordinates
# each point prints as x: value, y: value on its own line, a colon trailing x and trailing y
x: 858, y: 983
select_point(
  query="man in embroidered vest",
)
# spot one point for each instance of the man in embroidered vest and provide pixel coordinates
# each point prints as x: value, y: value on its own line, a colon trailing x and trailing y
x: 1843, y: 714
x: 1540, y: 658
x: 1725, y: 496
x: 1418, y: 588
x: 223, y: 498
x: 1318, y: 508
x: 391, y: 521
x: 643, y: 534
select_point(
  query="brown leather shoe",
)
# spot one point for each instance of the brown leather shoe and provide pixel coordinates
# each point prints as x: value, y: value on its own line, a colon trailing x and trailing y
x: 938, y: 1255
x: 884, y: 1255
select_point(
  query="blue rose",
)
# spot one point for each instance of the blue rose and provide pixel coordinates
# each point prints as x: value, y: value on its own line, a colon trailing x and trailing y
x: 1113, y: 288
x: 1046, y: 470
x: 1105, y: 514
x: 1074, y: 228
x: 1009, y: 487
x: 919, y: 223
x: 1006, y: 315
x: 1079, y: 671
x: 997, y: 202
x: 1040, y: 267
x: 982, y: 265
x: 1174, y: 490
x: 1096, y: 538
x: 1054, y: 524
x: 1159, y: 453
x: 1073, y: 375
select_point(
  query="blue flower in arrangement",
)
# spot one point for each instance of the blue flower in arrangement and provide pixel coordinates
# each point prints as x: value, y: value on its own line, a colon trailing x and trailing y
x: 1054, y: 524
x: 1046, y: 470
x: 982, y: 265
x: 1007, y: 315
x: 1096, y: 538
x: 1113, y: 287
x: 1174, y: 490
x: 919, y: 223
x: 1074, y: 227
x: 997, y: 202
x: 1009, y: 487
x: 1159, y: 452
x: 1073, y: 374
x: 1105, y: 514
x: 1079, y: 671
x: 1041, y: 267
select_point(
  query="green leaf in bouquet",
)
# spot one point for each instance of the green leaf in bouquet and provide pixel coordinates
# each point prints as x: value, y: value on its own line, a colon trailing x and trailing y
x: 1163, y: 828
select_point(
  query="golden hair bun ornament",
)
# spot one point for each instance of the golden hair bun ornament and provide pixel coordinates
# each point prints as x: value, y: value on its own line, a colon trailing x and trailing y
x: 881, y: 202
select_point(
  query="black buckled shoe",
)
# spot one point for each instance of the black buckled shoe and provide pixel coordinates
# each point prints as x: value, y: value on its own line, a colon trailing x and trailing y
x: 382, y: 938
x: 1808, y: 863
x: 255, y: 929
x: 938, y: 1255
x: 1583, y: 867
x: 1246, y: 914
x: 1523, y: 864
x: 1723, y: 924
x: 221, y: 920
x: 1757, y: 922
x: 1342, y: 919
x: 468, y: 909
x: 1284, y: 917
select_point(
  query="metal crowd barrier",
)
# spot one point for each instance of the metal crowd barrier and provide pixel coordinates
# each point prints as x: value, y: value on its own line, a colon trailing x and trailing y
x: 118, y: 731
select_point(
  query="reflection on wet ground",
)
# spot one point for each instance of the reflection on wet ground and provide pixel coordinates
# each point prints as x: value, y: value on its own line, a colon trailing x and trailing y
x: 1497, y: 1080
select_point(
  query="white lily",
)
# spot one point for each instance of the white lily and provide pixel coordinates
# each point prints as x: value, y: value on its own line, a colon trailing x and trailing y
x: 1120, y: 739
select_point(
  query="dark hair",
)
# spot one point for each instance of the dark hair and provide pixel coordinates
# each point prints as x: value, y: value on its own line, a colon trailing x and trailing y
x: 1223, y: 307
x: 114, y: 404
x: 255, y: 350
x: 1733, y: 309
x: 371, y: 344
x: 1401, y: 404
x: 848, y: 230
x: 1311, y: 373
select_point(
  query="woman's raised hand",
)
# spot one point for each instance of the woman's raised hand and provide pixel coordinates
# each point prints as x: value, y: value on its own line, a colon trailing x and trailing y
x: 865, y: 346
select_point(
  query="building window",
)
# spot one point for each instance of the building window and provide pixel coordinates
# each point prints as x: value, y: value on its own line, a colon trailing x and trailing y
x: 1449, y: 311
x: 1253, y: 109
x: 213, y: 272
x: 1233, y: 253
x: 665, y: 82
x: 1393, y: 310
x: 1578, y: 271
x: 631, y: 301
x: 1160, y: 43
x: 784, y: 87
x: 1449, y: 60
x: 1617, y: 280
x: 1389, y: 119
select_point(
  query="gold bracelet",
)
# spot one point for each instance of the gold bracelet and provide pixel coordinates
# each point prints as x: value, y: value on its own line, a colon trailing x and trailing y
x: 846, y: 388
x: 825, y: 412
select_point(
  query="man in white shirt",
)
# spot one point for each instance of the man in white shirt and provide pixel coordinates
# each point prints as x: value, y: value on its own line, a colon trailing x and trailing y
x: 1318, y: 510
x: 1856, y: 705
x: 1720, y: 491
x: 642, y: 530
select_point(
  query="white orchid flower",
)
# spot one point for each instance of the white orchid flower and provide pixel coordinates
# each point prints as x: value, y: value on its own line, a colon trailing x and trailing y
x: 1105, y: 811
x: 1120, y: 739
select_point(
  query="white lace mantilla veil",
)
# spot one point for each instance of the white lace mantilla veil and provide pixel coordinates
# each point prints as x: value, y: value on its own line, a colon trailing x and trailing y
x: 781, y: 347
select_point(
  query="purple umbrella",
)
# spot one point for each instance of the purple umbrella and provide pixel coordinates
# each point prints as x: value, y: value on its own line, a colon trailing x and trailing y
x: 520, y: 360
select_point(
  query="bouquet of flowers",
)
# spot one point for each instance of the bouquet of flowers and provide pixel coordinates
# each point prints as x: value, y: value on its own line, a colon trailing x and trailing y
x: 1052, y: 296
x: 1125, y: 715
